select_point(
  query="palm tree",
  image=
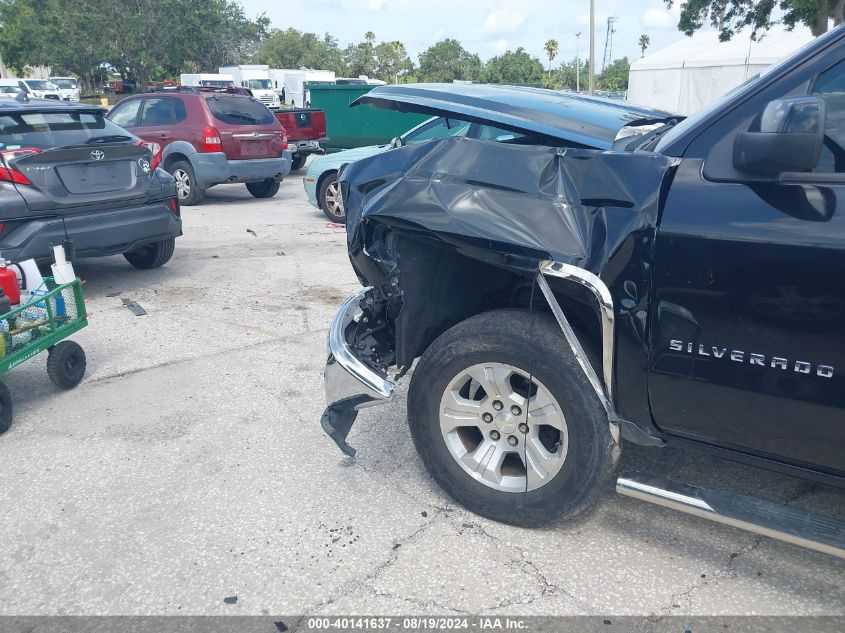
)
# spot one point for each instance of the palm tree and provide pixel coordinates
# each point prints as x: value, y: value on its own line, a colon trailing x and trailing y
x: 551, y: 47
x: 644, y: 43
x: 370, y: 37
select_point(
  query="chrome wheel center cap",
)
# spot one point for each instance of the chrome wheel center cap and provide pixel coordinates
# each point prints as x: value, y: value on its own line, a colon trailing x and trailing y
x: 506, y: 423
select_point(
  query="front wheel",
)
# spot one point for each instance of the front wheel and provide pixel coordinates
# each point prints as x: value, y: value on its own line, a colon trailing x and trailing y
x: 152, y: 255
x: 66, y: 364
x: 264, y: 189
x: 506, y: 421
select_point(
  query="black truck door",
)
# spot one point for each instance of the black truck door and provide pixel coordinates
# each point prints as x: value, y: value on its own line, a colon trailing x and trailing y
x: 748, y: 319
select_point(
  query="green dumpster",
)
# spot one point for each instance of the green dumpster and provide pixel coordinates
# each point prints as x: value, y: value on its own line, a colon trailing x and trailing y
x: 359, y: 126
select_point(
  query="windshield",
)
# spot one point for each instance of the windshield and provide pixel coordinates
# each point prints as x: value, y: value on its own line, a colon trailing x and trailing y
x: 39, y: 84
x: 55, y: 129
x: 9, y: 89
x: 440, y: 127
x: 259, y: 84
x: 239, y: 111
x: 66, y: 84
x: 215, y: 83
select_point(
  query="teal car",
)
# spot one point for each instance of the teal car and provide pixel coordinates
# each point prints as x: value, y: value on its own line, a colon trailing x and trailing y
x: 321, y: 177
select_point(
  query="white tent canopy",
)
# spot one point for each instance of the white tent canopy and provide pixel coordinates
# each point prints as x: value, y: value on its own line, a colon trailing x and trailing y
x: 695, y: 71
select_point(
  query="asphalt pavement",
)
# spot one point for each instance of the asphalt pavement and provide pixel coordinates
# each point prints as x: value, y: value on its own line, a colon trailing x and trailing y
x: 189, y: 469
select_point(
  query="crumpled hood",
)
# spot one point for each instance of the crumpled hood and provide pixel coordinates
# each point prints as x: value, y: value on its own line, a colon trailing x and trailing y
x: 591, y: 122
x: 524, y: 204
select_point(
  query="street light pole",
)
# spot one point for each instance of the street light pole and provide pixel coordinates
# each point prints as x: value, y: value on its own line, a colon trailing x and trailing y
x: 592, y: 47
x: 577, y: 62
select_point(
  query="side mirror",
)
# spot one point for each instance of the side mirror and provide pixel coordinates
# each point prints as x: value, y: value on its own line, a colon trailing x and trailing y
x: 790, y: 138
x: 396, y: 142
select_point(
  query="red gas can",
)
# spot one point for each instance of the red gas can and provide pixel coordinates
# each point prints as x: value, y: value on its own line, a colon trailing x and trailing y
x: 9, y: 283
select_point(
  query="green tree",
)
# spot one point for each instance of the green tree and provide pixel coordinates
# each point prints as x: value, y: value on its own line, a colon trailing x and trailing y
x: 730, y: 16
x: 447, y: 61
x: 615, y: 76
x: 644, y: 42
x: 564, y: 76
x: 551, y: 48
x: 391, y: 60
x: 290, y: 48
x: 514, y: 67
x: 143, y: 39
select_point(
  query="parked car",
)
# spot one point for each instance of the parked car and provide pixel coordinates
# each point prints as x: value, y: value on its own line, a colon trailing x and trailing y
x: 210, y: 137
x: 306, y: 127
x: 9, y: 88
x: 40, y: 88
x: 66, y: 170
x: 684, y: 290
x: 68, y: 87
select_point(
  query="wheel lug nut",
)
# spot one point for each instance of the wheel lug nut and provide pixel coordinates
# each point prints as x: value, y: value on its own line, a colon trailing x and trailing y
x: 523, y: 428
x: 512, y: 440
x: 487, y: 417
x: 498, y: 405
x: 516, y: 410
x: 494, y: 435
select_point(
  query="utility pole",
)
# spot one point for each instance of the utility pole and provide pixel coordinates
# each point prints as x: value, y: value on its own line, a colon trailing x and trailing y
x: 577, y: 63
x: 608, y: 42
x: 592, y: 47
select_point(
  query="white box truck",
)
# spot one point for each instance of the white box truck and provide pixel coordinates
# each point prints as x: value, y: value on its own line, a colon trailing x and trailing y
x: 207, y: 80
x: 256, y: 77
x: 292, y: 82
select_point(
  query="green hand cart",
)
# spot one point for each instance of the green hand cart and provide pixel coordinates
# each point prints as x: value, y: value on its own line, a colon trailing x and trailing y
x: 41, y: 324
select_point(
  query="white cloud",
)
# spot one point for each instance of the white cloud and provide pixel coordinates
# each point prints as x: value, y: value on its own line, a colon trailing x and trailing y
x: 375, y: 5
x: 503, y: 20
x: 662, y: 18
x: 501, y: 45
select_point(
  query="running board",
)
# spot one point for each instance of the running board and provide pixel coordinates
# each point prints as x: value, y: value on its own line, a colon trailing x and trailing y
x: 747, y: 513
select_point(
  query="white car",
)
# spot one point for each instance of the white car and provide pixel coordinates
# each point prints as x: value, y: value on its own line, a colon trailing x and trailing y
x: 68, y: 88
x: 40, y: 88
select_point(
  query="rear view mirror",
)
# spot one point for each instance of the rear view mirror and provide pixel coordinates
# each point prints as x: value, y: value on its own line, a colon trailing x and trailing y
x: 396, y: 142
x: 790, y: 138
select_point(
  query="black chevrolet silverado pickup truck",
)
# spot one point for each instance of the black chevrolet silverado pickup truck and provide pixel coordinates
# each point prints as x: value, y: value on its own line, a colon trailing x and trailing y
x: 682, y: 286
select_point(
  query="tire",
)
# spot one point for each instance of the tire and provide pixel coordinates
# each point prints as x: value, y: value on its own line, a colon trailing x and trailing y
x: 264, y: 189
x: 298, y: 162
x: 152, y: 255
x: 5, y: 408
x: 580, y: 448
x: 66, y: 364
x: 330, y: 200
x: 187, y: 188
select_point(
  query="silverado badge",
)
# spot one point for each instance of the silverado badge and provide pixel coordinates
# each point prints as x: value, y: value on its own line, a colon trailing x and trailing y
x: 761, y: 360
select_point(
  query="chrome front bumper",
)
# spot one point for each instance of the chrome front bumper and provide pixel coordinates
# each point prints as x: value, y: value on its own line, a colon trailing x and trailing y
x: 351, y: 385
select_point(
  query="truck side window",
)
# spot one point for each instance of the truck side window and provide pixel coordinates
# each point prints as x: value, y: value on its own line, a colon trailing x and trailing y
x: 830, y: 86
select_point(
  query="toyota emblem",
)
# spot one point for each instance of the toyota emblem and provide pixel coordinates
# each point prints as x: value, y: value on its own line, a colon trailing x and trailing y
x: 98, y: 154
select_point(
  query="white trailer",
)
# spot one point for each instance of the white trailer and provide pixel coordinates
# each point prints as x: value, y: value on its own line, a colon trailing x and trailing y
x: 292, y: 83
x: 212, y: 80
x: 256, y: 77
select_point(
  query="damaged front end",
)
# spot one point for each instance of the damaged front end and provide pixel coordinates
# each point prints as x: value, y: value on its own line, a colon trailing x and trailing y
x: 439, y: 232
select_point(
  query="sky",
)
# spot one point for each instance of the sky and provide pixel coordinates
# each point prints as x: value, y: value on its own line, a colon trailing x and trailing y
x: 486, y: 27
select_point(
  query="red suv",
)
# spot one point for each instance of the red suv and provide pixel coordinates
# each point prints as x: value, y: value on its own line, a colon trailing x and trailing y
x: 210, y: 138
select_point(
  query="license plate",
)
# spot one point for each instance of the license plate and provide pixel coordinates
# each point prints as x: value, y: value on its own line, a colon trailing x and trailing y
x: 253, y: 148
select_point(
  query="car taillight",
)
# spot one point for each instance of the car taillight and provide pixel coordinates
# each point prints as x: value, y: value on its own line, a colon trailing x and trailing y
x: 284, y: 139
x: 155, y: 151
x: 174, y: 206
x: 211, y: 139
x: 8, y: 173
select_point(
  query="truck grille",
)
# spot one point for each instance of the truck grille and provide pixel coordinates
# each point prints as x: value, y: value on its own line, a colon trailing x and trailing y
x: 266, y: 100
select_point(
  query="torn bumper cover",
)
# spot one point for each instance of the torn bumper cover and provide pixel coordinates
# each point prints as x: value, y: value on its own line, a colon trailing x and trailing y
x: 351, y: 384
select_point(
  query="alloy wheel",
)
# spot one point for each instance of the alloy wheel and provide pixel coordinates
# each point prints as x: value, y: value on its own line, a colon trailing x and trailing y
x: 504, y: 430
x: 333, y: 199
x: 183, y: 183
